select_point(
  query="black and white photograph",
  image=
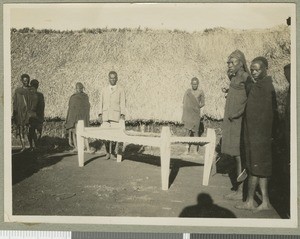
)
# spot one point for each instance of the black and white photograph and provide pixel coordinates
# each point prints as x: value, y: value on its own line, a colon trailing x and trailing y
x: 150, y: 114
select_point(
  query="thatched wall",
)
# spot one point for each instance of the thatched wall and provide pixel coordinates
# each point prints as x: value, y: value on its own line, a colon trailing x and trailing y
x: 154, y: 66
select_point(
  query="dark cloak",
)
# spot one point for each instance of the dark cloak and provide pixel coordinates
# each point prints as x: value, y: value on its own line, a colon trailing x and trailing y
x: 79, y: 109
x: 234, y: 108
x: 191, y: 110
x: 260, y: 117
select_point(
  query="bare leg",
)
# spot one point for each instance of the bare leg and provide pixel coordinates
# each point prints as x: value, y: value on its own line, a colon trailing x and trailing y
x: 250, y: 204
x: 107, y: 149
x: 34, y: 137
x: 238, y: 165
x: 30, y: 138
x: 188, y: 146
x: 74, y: 138
x: 265, y: 205
x: 70, y: 138
x: 238, y: 194
x: 87, y: 145
x: 22, y: 138
x: 22, y: 142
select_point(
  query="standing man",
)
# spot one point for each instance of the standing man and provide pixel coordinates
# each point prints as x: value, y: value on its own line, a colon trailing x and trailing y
x: 238, y: 74
x: 20, y: 117
x: 40, y: 108
x: 33, y: 122
x: 112, y: 108
x: 260, y: 113
x: 193, y: 101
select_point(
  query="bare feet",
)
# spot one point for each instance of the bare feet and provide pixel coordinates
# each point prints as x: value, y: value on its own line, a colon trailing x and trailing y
x: 113, y: 157
x: 73, y: 150
x: 263, y: 207
x: 22, y: 150
x: 107, y: 156
x: 90, y: 150
x: 237, y: 195
x: 246, y: 206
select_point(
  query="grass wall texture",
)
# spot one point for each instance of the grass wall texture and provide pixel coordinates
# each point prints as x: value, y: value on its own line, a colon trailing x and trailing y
x: 154, y: 66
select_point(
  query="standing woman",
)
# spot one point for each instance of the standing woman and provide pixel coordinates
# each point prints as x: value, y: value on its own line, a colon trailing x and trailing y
x: 238, y: 74
x: 79, y: 109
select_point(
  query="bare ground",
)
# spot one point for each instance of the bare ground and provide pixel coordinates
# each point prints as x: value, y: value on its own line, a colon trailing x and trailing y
x: 51, y: 183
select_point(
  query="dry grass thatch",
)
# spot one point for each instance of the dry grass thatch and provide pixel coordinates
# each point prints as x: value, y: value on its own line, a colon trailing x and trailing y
x: 154, y: 66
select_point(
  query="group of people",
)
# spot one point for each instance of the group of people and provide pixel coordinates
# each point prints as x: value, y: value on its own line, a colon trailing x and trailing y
x: 250, y: 111
x: 28, y: 112
x: 248, y: 127
x: 111, y: 111
x: 29, y: 106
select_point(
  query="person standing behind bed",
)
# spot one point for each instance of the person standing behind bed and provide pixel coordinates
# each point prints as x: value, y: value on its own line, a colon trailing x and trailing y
x: 112, y: 109
x: 193, y: 102
x: 79, y: 109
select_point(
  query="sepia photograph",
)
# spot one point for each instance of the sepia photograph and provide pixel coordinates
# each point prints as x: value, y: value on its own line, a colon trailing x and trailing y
x: 151, y: 114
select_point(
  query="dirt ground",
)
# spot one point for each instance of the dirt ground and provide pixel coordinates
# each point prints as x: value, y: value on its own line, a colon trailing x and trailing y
x: 50, y: 182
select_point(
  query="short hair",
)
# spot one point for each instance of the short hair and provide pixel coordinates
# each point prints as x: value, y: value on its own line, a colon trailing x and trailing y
x: 195, y: 79
x: 261, y: 59
x: 79, y: 85
x: 113, y: 73
x: 34, y: 83
x: 25, y: 76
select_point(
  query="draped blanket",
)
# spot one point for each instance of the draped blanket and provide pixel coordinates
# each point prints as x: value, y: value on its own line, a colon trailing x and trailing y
x: 261, y: 111
x: 191, y: 110
x: 234, y: 108
x: 79, y: 109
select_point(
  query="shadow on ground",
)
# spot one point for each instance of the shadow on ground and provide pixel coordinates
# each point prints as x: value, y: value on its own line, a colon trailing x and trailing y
x: 206, y: 208
x: 279, y: 183
x: 51, y: 150
x: 175, y: 164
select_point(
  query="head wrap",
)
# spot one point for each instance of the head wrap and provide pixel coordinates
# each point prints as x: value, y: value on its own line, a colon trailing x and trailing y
x: 240, y: 56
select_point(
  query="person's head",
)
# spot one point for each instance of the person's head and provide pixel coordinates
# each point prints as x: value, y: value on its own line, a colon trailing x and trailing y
x: 204, y: 199
x: 113, y: 78
x: 34, y: 83
x: 259, y: 67
x: 195, y: 83
x: 237, y: 61
x: 79, y: 87
x: 25, y: 80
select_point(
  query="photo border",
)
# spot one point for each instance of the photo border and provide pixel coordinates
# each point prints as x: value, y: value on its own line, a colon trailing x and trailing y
x: 124, y: 220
